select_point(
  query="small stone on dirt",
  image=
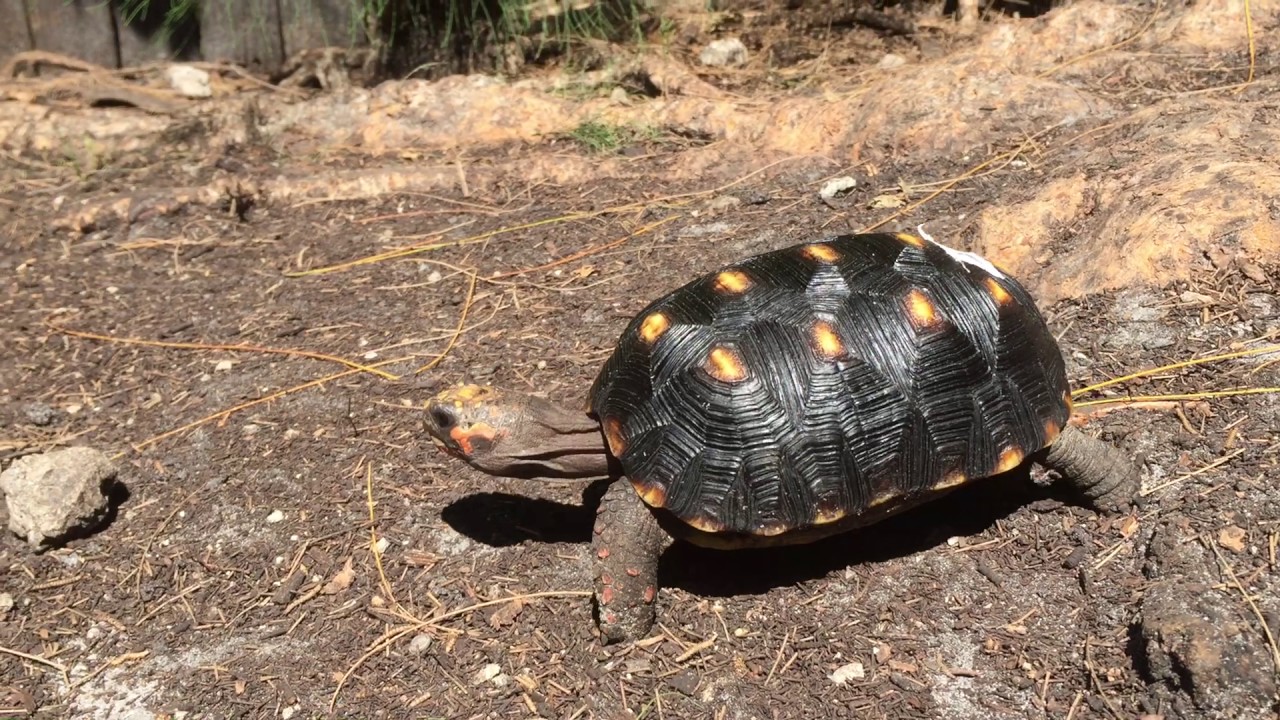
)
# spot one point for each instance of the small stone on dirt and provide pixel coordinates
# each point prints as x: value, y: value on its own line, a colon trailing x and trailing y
x: 891, y: 61
x: 847, y: 672
x: 6, y: 604
x: 837, y: 186
x: 419, y: 643
x: 1194, y: 298
x: 57, y: 495
x: 189, y: 81
x: 1197, y: 641
x: 275, y: 516
x: 224, y: 365
x: 1253, y: 272
x: 724, y: 202
x: 490, y: 672
x: 729, y: 52
x: 1232, y: 538
x: 39, y: 414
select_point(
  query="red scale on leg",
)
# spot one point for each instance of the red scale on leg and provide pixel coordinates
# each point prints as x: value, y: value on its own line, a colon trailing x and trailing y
x: 627, y: 545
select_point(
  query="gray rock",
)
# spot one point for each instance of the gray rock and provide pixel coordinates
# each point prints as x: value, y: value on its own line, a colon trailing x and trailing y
x: 57, y: 495
x: 729, y: 52
x: 1199, y: 642
x: 39, y: 414
x: 190, y: 81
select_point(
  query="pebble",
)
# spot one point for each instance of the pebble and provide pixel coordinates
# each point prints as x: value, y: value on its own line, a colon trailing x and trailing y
x: 847, y: 672
x: 837, y: 186
x: 891, y: 61
x: 487, y: 673
x: 419, y: 643
x: 190, y: 81
x: 275, y: 516
x: 39, y: 414
x: 729, y: 52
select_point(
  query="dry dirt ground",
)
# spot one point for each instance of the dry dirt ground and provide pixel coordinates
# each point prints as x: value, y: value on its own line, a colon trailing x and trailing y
x: 288, y: 543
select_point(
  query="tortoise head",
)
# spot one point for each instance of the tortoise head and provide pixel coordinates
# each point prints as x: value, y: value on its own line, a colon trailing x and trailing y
x: 514, y: 434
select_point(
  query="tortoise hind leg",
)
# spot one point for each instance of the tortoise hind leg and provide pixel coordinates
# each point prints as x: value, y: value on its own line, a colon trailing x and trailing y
x: 1097, y: 470
x: 625, y: 551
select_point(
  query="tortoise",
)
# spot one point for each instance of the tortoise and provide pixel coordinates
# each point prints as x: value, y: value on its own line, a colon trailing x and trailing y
x: 790, y: 396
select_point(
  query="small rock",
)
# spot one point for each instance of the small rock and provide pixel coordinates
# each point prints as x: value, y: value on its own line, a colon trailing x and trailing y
x: 1197, y: 642
x: 837, y: 186
x: 189, y: 81
x: 486, y: 673
x: 6, y: 604
x: 619, y: 96
x: 275, y: 516
x: 40, y: 415
x: 729, y: 52
x: 434, y: 277
x: 724, y: 202
x: 1195, y: 298
x: 419, y: 643
x: 224, y: 365
x: 891, y: 61
x: 847, y: 672
x: 1232, y: 538
x: 55, y: 496
x: 1253, y: 272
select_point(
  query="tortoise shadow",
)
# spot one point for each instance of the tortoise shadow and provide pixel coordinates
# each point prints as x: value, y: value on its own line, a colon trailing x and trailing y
x: 503, y: 519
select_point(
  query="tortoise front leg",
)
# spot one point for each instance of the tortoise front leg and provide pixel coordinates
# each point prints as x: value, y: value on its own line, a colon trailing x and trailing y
x: 625, y: 551
x: 1098, y: 471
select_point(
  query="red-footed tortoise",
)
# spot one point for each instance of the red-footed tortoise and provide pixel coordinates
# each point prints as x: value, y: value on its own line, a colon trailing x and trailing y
x: 791, y: 396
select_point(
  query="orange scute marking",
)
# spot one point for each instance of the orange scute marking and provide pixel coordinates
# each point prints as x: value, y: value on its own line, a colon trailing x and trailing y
x: 1066, y: 399
x: 1009, y: 459
x: 706, y: 524
x: 653, y: 494
x: 921, y: 309
x: 950, y: 480
x: 724, y: 365
x: 998, y: 293
x: 1051, y: 431
x: 826, y: 515
x: 615, y: 437
x: 826, y: 341
x: 910, y: 239
x: 653, y: 326
x: 771, y: 529
x: 732, y: 282
x: 821, y: 251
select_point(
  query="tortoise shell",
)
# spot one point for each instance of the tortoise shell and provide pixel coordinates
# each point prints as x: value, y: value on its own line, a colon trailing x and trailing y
x: 827, y: 381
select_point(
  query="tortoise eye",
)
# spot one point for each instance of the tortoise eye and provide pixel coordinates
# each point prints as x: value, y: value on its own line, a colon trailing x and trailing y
x: 443, y: 418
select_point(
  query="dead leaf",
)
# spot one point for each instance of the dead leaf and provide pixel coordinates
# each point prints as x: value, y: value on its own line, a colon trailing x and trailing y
x: 1232, y: 537
x: 904, y: 667
x: 506, y: 614
x: 882, y: 652
x: 341, y: 581
x: 882, y: 202
x: 1128, y: 526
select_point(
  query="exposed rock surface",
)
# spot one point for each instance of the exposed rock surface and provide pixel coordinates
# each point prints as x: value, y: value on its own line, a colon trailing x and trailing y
x: 57, y: 495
